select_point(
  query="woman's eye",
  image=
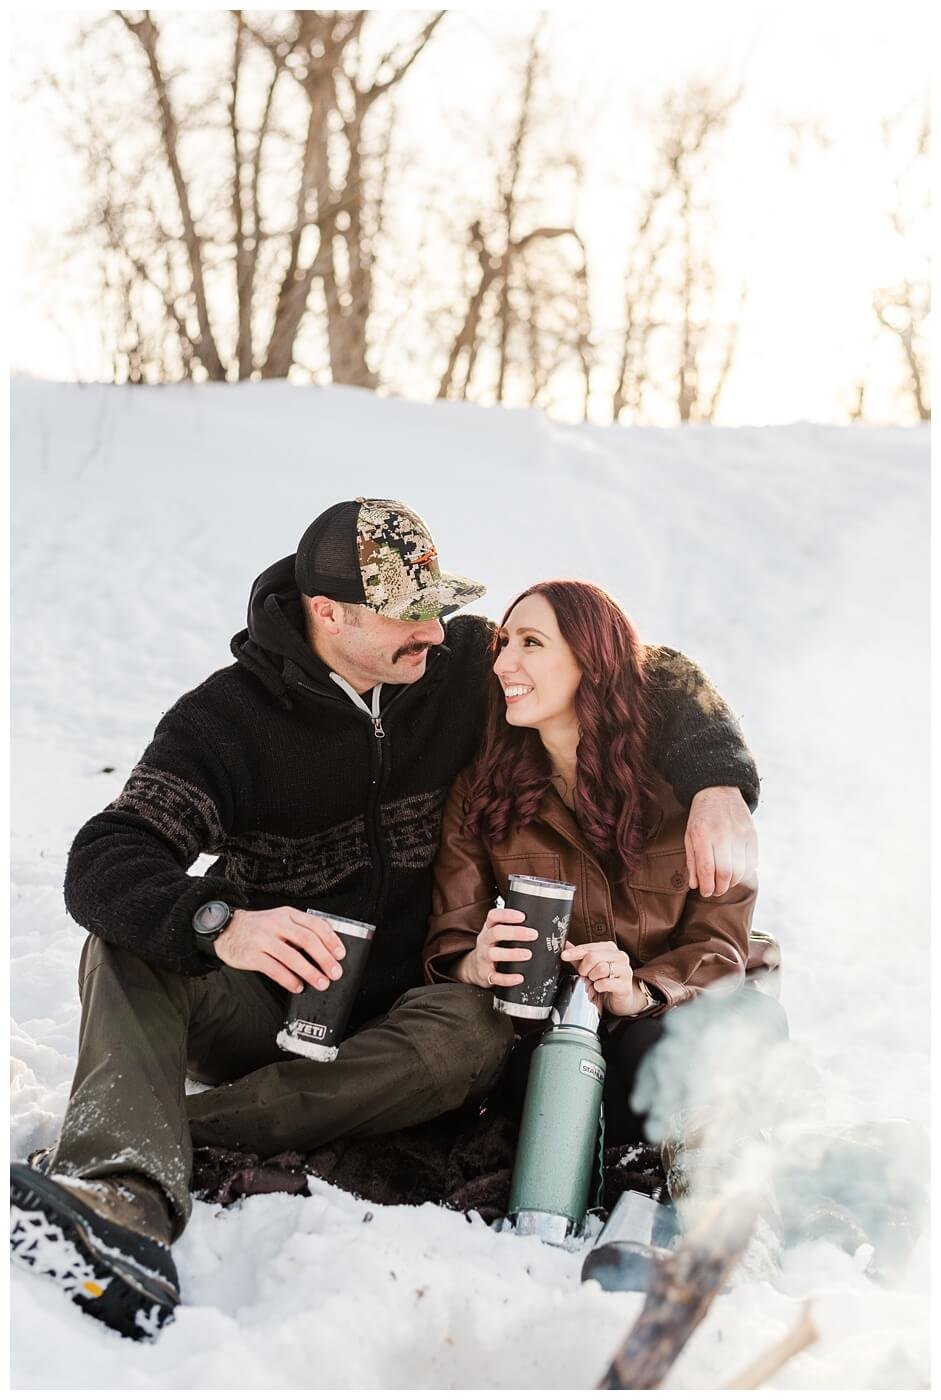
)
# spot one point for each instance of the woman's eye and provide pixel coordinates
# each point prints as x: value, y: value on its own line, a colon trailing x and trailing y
x: 533, y: 640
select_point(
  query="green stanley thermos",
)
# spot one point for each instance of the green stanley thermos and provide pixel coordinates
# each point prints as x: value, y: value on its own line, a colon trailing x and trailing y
x: 559, y: 1134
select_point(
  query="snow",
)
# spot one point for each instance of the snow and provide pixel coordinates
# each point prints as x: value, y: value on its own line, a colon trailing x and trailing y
x: 791, y: 562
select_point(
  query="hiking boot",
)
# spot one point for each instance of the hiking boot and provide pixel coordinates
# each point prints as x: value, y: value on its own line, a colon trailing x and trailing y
x: 105, y: 1242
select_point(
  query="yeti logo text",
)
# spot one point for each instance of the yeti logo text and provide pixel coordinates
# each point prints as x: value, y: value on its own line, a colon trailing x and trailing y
x: 310, y: 1030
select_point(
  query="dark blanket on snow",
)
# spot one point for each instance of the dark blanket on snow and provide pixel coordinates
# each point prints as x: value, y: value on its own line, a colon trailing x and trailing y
x: 862, y: 1186
x: 462, y: 1160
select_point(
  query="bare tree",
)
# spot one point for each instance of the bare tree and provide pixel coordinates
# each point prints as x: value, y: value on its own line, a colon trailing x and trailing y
x: 526, y: 308
x: 671, y: 333
x: 240, y: 203
x: 903, y: 308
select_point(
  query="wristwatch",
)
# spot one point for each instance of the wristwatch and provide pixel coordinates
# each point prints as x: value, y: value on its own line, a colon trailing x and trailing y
x: 651, y: 999
x: 208, y: 922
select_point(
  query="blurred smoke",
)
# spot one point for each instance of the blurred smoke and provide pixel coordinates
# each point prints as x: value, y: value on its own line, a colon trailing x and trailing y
x: 742, y: 1109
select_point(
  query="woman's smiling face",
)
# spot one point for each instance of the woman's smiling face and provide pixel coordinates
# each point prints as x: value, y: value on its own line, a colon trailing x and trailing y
x: 536, y: 666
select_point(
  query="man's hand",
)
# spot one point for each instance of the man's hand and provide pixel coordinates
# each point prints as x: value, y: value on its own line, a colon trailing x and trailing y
x: 721, y: 841
x: 285, y: 944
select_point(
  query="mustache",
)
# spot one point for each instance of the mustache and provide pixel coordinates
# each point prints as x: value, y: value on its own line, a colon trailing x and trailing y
x: 413, y: 649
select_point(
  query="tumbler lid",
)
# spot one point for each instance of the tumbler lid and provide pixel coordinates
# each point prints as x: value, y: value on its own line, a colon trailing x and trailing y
x: 573, y: 1008
x: 352, y: 927
x: 545, y: 889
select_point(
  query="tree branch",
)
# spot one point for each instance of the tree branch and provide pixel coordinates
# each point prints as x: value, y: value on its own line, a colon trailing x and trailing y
x: 803, y: 1334
x: 378, y: 88
x: 146, y: 33
x: 243, y: 262
x: 509, y: 205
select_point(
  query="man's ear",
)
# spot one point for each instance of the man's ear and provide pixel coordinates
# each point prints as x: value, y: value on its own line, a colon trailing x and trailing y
x: 326, y: 613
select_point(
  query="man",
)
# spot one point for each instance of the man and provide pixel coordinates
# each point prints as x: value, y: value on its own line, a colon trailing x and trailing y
x: 315, y: 769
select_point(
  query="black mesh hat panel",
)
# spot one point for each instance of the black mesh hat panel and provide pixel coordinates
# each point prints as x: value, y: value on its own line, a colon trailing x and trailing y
x: 327, y: 561
x: 381, y: 554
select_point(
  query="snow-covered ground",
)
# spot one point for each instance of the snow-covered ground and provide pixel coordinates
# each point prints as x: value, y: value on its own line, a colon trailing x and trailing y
x: 791, y: 562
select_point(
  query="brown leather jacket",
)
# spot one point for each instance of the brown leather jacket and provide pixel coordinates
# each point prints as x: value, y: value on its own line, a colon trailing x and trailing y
x: 678, y: 942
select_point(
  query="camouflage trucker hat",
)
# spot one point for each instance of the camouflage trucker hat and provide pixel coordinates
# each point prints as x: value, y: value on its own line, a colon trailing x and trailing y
x: 380, y: 554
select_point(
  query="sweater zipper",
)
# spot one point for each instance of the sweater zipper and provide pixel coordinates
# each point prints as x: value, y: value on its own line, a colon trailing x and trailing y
x: 373, y: 714
x: 371, y: 710
x: 373, y: 816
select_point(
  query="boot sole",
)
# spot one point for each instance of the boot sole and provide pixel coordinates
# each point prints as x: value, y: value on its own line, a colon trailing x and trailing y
x: 90, y: 1258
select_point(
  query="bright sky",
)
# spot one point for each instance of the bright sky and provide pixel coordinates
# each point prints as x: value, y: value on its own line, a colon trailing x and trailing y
x: 809, y: 238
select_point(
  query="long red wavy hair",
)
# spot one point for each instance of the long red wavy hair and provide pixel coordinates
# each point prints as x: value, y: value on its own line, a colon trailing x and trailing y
x: 613, y: 789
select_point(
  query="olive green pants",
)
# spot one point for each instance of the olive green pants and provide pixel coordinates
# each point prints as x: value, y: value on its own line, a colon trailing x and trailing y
x: 144, y: 1029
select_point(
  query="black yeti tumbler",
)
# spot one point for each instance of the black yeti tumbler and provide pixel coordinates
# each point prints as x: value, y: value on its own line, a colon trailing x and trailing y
x: 547, y: 905
x: 316, y: 1020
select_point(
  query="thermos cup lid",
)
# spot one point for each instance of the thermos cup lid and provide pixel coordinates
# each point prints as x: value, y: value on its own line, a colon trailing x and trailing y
x: 574, y: 1008
x: 545, y: 889
x: 353, y: 927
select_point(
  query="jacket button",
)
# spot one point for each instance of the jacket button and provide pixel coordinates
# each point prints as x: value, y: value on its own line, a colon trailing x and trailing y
x: 600, y: 926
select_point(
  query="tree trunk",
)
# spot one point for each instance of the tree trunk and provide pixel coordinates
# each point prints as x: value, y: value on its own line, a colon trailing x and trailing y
x: 466, y: 338
x: 354, y: 308
x: 313, y: 194
x: 145, y: 31
x: 244, y: 261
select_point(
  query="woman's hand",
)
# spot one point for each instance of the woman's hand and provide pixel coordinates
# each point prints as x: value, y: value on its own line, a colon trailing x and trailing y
x: 608, y: 971
x: 479, y: 966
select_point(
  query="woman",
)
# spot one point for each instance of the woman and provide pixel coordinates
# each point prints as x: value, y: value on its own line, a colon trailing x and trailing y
x: 563, y: 789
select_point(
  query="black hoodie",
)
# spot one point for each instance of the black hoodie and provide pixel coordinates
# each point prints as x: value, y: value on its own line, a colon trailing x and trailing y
x: 270, y: 767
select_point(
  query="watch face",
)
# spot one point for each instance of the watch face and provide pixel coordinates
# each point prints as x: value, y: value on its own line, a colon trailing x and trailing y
x: 211, y: 917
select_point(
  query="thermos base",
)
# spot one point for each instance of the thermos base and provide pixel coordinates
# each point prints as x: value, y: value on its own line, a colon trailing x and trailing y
x: 299, y: 1046
x: 551, y: 1229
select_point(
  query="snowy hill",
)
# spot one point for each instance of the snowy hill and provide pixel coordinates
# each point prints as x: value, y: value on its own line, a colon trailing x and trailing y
x: 792, y: 563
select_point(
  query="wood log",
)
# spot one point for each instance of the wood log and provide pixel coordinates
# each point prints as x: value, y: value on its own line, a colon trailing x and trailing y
x: 681, y: 1291
x: 802, y: 1334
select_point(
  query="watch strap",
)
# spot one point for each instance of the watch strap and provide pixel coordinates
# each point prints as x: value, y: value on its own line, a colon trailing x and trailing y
x: 206, y: 944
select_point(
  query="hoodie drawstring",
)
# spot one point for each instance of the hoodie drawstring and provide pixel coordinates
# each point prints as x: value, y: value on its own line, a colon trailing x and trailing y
x: 358, y: 700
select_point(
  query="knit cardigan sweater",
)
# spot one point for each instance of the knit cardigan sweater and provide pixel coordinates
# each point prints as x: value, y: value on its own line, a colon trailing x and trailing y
x: 272, y: 769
